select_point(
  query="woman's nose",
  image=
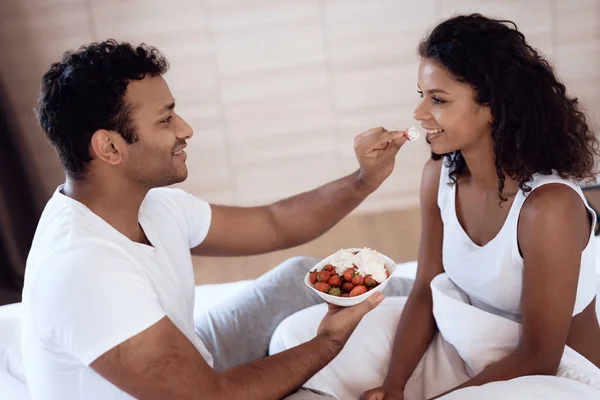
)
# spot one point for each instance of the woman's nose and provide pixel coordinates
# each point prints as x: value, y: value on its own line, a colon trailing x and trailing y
x: 420, y: 112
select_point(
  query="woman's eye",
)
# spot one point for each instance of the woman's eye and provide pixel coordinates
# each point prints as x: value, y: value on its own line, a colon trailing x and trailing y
x: 436, y: 100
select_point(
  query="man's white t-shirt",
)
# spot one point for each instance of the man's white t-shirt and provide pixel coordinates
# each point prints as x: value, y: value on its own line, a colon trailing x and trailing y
x: 89, y: 288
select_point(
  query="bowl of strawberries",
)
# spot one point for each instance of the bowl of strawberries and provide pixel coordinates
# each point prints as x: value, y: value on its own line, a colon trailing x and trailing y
x: 349, y: 276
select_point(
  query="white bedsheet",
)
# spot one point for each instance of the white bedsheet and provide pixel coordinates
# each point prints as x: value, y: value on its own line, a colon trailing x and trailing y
x: 469, y: 340
x: 12, y: 376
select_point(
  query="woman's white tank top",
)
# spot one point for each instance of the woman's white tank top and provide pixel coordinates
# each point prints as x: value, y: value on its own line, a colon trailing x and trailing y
x: 492, y: 275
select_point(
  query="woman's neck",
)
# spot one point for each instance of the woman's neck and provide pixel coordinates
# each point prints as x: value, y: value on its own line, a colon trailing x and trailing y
x: 481, y: 164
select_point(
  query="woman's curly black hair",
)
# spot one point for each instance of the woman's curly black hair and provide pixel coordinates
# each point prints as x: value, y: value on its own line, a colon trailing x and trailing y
x: 85, y: 91
x: 536, y: 127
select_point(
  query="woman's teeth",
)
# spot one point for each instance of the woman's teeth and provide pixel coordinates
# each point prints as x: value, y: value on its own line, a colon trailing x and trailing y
x: 178, y: 152
x: 434, y: 131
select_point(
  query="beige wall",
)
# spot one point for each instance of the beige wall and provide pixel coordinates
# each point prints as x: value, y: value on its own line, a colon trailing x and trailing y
x: 276, y: 90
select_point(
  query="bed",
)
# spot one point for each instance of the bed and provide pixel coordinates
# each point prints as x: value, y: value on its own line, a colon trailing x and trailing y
x: 12, y: 379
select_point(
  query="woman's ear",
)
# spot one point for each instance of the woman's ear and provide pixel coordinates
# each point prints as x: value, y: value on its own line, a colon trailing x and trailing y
x: 490, y: 117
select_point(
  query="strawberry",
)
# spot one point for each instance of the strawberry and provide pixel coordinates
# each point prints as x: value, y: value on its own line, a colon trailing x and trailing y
x: 322, y: 287
x: 357, y: 291
x: 348, y: 275
x: 369, y: 281
x: 335, y: 280
x: 313, y: 277
x: 323, y: 276
x: 358, y: 280
x: 347, y: 287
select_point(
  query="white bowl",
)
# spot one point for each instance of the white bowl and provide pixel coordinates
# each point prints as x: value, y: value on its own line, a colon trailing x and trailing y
x: 390, y: 265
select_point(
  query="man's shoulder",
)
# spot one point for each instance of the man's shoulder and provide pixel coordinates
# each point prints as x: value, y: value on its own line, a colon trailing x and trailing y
x: 75, y: 271
x: 67, y: 234
x: 79, y: 259
x: 64, y: 222
x: 167, y: 196
x: 174, y: 204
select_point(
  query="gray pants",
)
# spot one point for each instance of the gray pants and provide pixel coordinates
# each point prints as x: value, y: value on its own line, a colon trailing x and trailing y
x: 254, y: 314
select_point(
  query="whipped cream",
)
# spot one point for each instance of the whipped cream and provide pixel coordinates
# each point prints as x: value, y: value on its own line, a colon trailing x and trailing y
x: 342, y: 260
x: 413, y: 133
x: 368, y: 262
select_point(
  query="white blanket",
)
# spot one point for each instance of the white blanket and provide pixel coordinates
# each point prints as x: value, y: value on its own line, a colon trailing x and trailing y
x: 469, y: 340
x: 481, y: 339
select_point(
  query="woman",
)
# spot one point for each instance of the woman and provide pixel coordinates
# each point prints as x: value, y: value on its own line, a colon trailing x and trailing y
x: 504, y: 228
x: 500, y: 216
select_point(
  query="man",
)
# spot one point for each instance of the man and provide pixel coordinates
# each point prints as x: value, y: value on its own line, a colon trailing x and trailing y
x: 109, y: 287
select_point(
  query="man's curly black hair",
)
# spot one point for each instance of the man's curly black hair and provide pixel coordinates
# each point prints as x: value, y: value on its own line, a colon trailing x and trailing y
x: 536, y: 127
x: 85, y: 92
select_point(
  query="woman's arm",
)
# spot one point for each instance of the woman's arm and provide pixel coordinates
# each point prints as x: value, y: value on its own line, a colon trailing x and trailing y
x: 554, y: 228
x: 417, y: 327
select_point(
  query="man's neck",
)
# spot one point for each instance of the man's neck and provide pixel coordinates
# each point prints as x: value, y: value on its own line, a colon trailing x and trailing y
x: 117, y: 203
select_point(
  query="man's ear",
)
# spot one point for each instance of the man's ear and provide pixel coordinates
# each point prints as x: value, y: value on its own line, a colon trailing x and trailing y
x: 108, y: 146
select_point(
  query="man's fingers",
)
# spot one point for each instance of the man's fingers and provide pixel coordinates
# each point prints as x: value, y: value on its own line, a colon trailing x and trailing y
x: 374, y: 300
x: 396, y: 144
x: 399, y: 142
x: 375, y: 134
x: 385, y: 137
x: 369, y: 304
x: 365, y: 136
x: 393, y: 135
x: 373, y: 394
x: 377, y: 140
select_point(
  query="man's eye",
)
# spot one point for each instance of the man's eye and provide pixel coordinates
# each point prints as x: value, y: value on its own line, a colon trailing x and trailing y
x: 167, y: 120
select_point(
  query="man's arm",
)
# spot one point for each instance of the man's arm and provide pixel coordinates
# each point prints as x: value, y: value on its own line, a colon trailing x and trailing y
x: 237, y: 231
x: 551, y: 271
x: 161, y: 363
